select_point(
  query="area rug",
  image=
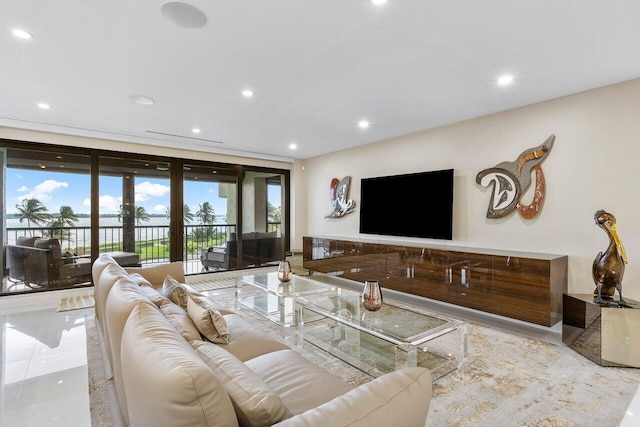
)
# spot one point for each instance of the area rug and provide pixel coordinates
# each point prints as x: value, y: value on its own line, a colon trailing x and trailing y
x: 509, y: 380
x: 75, y: 303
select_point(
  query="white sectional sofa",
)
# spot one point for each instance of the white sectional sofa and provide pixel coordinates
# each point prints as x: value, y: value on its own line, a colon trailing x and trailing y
x: 167, y: 374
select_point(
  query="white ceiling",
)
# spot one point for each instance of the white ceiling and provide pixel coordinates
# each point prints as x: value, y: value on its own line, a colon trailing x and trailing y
x: 317, y: 67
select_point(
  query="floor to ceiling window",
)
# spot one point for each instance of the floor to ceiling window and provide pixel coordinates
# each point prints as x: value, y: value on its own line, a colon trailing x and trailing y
x: 62, y: 207
x: 47, y: 220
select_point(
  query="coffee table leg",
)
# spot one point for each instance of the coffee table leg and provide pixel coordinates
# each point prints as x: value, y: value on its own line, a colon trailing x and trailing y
x: 406, y: 356
x: 299, y: 322
x: 238, y: 289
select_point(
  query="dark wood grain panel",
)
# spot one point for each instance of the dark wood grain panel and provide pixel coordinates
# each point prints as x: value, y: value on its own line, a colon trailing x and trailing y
x: 520, y: 285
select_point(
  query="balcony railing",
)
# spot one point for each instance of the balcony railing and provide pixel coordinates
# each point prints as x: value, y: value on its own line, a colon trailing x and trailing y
x: 151, y: 242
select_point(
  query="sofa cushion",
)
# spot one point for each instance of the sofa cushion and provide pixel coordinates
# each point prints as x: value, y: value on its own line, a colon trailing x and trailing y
x: 140, y: 280
x: 125, y: 294
x: 154, y: 296
x: 208, y: 320
x: 180, y: 320
x: 167, y: 383
x: 110, y: 273
x: 247, y: 341
x: 399, y: 398
x: 157, y: 273
x: 175, y: 291
x: 256, y: 404
x: 292, y: 377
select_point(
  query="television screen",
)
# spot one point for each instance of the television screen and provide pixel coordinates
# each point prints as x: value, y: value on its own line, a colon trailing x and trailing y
x: 412, y: 205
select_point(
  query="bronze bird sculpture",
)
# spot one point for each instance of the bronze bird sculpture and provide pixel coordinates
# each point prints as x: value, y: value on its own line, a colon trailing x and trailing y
x: 608, y: 267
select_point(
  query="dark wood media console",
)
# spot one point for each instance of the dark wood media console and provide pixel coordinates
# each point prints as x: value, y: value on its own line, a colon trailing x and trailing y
x: 520, y: 285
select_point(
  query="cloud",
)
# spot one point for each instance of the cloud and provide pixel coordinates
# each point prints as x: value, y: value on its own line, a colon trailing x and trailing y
x: 23, y: 189
x: 43, y: 190
x: 146, y: 190
x: 107, y: 203
x: 160, y: 208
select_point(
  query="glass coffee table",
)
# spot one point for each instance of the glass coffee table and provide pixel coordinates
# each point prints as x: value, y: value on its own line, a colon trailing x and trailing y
x: 332, y: 318
x: 266, y: 295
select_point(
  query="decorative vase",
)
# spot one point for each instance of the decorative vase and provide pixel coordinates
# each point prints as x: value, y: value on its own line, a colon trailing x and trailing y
x: 284, y: 271
x: 372, y: 295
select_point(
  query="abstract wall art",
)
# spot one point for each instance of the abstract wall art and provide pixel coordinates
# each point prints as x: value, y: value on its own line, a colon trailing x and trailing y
x: 339, y: 195
x: 511, y: 179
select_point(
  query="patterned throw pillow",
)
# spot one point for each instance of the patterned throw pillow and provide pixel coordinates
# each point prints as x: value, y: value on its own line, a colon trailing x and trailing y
x: 208, y: 320
x: 175, y: 291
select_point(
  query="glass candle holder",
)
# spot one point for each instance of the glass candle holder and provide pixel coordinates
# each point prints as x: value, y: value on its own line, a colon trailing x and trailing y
x: 284, y: 271
x: 372, y: 295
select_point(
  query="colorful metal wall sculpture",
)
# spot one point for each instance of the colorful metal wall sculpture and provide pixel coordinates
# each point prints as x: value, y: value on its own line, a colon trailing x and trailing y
x: 339, y: 194
x: 511, y: 179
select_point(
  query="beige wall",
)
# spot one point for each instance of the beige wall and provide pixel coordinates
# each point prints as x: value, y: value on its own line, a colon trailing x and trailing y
x: 592, y: 166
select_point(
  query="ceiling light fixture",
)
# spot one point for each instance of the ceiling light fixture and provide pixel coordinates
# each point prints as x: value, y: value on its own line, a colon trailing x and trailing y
x: 195, y: 130
x: 293, y: 146
x: 22, y: 34
x: 378, y: 2
x: 247, y: 93
x: 505, y: 80
x: 363, y: 124
x: 183, y: 15
x: 43, y: 105
x: 141, y: 100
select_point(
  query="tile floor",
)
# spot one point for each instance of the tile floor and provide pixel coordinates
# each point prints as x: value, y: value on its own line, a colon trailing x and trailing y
x: 43, y: 368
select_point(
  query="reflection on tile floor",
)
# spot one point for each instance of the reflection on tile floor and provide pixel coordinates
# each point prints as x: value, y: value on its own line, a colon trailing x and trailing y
x: 43, y: 372
x: 43, y: 368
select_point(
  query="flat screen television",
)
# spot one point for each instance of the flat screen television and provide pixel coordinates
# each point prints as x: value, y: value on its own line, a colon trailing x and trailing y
x: 411, y: 205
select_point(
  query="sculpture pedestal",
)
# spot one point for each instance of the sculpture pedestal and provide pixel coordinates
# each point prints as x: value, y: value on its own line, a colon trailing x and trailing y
x: 610, y: 336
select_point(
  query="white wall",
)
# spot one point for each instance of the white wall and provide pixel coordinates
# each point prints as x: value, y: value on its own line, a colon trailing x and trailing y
x: 592, y: 166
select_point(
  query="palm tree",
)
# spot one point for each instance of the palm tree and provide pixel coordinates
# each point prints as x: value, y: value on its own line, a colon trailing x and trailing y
x: 206, y: 214
x: 66, y: 218
x: 186, y: 213
x: 141, y: 214
x: 33, y: 211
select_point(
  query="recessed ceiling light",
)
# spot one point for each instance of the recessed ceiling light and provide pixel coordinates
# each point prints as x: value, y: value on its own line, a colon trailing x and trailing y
x: 183, y: 15
x: 141, y: 100
x: 22, y: 34
x: 195, y: 130
x: 43, y: 105
x: 363, y: 124
x: 505, y: 80
x: 293, y: 146
x: 378, y: 2
x: 247, y: 93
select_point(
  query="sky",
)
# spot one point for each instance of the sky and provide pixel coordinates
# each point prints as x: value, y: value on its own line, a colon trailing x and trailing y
x: 55, y: 189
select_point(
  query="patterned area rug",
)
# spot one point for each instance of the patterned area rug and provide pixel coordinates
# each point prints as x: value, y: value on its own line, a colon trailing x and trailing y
x: 75, y: 303
x: 509, y: 381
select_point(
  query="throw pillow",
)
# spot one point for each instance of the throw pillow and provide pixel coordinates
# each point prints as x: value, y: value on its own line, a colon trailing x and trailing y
x: 69, y: 257
x: 256, y: 403
x: 175, y: 291
x: 208, y: 320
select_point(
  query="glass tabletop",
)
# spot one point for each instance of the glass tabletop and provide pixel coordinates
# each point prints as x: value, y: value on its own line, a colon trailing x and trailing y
x: 391, y: 322
x: 297, y: 286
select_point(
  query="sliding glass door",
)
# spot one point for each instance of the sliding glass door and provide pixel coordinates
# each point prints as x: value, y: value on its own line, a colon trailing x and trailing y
x: 134, y: 210
x: 209, y: 217
x: 64, y: 206
x: 46, y: 220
